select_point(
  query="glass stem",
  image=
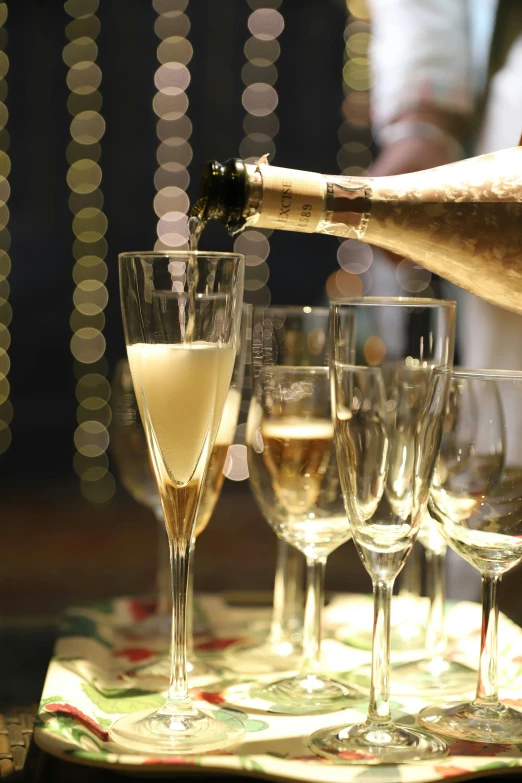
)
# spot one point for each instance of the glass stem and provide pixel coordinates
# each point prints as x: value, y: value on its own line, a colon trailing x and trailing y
x: 379, y: 706
x: 294, y: 591
x: 411, y: 575
x: 487, y: 689
x: 190, y: 603
x: 436, y: 585
x: 163, y: 592
x: 284, y: 594
x: 313, y: 616
x: 178, y: 699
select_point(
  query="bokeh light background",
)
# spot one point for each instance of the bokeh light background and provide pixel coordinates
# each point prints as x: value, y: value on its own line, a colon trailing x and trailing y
x: 112, y: 110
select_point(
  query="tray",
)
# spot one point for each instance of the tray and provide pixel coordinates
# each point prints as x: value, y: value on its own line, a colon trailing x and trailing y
x: 108, y: 662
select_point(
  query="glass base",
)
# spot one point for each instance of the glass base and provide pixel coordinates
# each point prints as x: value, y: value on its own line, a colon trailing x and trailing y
x: 365, y: 744
x: 433, y: 677
x: 160, y: 733
x: 475, y: 723
x: 307, y: 694
x: 263, y: 658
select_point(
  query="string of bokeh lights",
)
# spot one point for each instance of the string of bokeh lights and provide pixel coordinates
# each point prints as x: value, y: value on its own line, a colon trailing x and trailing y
x: 173, y: 127
x: 6, y: 408
x: 355, y: 159
x: 355, y: 137
x: 89, y: 225
x: 261, y: 126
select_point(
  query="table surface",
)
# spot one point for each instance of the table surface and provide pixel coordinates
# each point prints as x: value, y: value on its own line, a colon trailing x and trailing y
x: 25, y: 650
x: 33, y: 585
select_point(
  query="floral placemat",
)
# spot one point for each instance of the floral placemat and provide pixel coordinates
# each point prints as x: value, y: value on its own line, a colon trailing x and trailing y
x: 110, y: 661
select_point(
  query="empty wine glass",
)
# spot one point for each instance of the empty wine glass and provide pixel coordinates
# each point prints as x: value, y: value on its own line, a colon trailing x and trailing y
x: 181, y: 313
x: 389, y: 389
x: 476, y: 499
x: 294, y: 474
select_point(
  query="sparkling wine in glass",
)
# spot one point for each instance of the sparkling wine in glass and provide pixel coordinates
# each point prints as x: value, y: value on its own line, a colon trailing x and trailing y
x: 294, y: 475
x: 476, y: 500
x: 389, y: 362
x: 181, y: 313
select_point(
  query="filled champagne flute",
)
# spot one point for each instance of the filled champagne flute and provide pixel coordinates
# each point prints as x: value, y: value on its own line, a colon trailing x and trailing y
x: 476, y: 499
x: 181, y: 313
x: 294, y: 474
x: 389, y: 390
x: 136, y: 473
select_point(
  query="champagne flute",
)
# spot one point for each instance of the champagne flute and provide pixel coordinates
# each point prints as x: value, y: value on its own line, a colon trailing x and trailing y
x: 181, y: 313
x: 135, y: 468
x: 476, y: 499
x: 389, y: 390
x: 294, y: 474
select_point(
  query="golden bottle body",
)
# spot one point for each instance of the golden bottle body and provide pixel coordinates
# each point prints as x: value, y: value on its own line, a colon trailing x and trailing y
x: 462, y: 221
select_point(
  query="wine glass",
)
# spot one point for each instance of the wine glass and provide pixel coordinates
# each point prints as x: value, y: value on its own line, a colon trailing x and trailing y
x: 476, y: 499
x: 285, y: 336
x: 129, y: 449
x: 389, y: 389
x: 181, y: 313
x: 294, y: 475
x: 136, y: 473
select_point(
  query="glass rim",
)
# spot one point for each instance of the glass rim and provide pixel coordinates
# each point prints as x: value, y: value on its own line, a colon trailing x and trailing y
x: 393, y: 301
x: 296, y: 309
x: 479, y: 374
x: 127, y: 255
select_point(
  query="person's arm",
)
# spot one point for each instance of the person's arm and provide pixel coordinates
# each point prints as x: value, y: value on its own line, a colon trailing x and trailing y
x: 422, y: 96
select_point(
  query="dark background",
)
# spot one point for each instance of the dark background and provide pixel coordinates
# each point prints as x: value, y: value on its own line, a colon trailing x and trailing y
x: 310, y: 97
x: 57, y: 547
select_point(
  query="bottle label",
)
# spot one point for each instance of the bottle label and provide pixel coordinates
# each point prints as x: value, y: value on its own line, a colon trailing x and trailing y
x: 292, y: 200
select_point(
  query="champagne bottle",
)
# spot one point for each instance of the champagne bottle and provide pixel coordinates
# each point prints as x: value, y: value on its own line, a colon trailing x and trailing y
x: 462, y: 221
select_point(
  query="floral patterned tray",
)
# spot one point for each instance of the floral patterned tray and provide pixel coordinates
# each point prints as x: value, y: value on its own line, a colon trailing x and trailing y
x: 108, y: 662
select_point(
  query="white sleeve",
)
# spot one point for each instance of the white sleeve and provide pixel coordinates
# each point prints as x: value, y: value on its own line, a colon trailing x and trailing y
x: 420, y: 53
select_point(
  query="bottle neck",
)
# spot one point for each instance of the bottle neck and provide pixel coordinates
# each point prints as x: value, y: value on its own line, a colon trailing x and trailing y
x: 302, y: 201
